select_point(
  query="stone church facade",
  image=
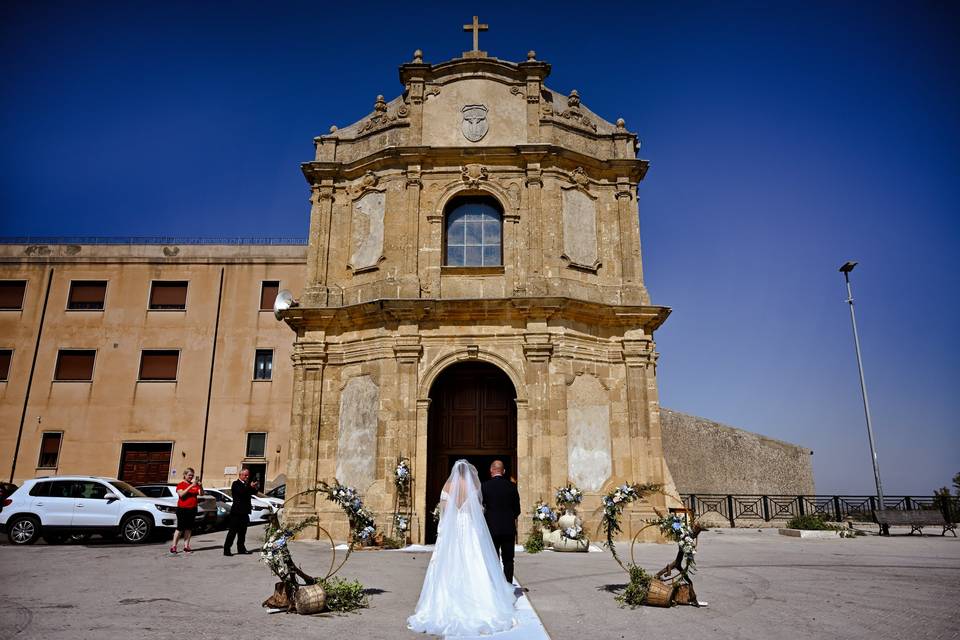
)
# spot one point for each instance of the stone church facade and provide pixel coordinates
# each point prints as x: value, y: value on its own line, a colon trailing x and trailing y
x: 474, y: 289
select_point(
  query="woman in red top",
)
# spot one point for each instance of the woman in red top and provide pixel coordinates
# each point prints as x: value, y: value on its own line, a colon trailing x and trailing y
x: 187, y: 492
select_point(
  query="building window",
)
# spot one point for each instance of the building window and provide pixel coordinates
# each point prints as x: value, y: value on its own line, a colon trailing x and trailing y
x: 473, y: 237
x: 159, y: 364
x: 87, y: 295
x: 268, y: 294
x: 11, y: 294
x: 5, y: 356
x: 168, y: 296
x: 75, y: 365
x: 256, y: 445
x: 50, y: 450
x: 263, y: 364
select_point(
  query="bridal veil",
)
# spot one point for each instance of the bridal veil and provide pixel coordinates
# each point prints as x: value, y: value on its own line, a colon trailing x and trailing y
x: 464, y: 591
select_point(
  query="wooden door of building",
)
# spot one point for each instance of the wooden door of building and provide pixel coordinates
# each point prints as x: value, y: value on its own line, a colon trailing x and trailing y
x: 145, y: 462
x: 473, y: 415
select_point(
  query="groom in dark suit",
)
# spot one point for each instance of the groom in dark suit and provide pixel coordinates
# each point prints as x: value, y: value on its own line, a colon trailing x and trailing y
x: 501, y: 502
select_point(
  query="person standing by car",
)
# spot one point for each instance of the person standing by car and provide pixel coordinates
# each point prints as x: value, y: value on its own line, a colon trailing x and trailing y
x: 241, y: 490
x: 187, y: 492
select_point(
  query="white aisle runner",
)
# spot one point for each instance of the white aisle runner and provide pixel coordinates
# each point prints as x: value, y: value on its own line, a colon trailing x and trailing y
x: 528, y: 625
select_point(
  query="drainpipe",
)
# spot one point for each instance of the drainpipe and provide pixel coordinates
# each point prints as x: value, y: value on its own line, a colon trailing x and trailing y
x: 213, y: 360
x: 33, y: 366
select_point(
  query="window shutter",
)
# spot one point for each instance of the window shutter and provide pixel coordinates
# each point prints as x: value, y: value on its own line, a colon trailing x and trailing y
x: 75, y: 365
x: 11, y: 293
x: 168, y: 295
x: 268, y: 294
x: 159, y: 365
x: 87, y: 294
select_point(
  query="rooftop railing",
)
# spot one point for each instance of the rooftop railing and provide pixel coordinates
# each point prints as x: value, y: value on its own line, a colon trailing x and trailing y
x: 165, y: 240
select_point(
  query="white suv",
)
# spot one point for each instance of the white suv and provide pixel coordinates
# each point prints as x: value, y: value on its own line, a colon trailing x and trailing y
x: 64, y: 505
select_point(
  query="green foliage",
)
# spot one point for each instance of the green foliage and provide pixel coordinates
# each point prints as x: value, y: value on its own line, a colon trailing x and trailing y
x: 956, y: 484
x: 534, y: 542
x: 344, y: 596
x: 392, y: 543
x: 637, y: 589
x: 817, y: 523
x: 808, y: 523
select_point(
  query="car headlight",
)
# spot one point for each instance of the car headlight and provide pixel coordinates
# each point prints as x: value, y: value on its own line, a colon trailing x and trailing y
x: 165, y: 508
x: 259, y: 508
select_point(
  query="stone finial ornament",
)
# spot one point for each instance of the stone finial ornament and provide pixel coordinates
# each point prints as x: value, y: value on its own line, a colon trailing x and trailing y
x: 531, y: 56
x: 621, y: 124
x: 333, y: 128
x: 573, y: 100
x: 418, y: 57
x: 380, y: 106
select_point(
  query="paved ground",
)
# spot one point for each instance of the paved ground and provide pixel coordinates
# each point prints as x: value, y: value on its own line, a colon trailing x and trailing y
x: 758, y: 584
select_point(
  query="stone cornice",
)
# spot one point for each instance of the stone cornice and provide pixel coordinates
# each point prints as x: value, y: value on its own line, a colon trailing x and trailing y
x: 544, y: 154
x: 474, y: 67
x: 518, y: 310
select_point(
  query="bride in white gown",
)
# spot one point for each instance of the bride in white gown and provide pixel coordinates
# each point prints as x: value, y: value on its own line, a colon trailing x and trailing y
x: 464, y: 591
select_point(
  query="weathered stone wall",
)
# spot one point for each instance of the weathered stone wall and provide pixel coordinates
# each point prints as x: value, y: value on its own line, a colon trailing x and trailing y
x: 707, y: 457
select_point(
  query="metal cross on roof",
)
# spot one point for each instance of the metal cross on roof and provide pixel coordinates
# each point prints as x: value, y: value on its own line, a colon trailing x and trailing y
x: 476, y: 27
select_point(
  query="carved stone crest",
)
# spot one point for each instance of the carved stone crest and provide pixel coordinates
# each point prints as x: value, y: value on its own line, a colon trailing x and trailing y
x: 472, y: 174
x: 474, y: 124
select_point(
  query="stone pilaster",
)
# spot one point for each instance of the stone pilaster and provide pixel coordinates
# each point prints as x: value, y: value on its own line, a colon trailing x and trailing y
x: 321, y: 211
x: 409, y: 280
x: 309, y: 363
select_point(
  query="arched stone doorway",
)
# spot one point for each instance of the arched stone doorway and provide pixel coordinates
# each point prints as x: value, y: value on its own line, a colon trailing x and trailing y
x: 472, y: 415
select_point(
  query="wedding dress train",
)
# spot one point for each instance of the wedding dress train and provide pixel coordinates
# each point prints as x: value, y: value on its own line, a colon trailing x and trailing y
x: 464, y: 591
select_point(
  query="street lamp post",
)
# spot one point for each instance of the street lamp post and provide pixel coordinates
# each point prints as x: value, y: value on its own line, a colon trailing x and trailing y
x: 846, y: 269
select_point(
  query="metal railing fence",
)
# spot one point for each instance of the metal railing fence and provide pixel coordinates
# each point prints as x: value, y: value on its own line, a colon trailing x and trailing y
x: 766, y: 508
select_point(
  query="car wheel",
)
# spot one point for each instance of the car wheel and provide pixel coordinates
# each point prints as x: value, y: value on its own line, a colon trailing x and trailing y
x: 23, y: 530
x: 54, y: 538
x: 136, y: 528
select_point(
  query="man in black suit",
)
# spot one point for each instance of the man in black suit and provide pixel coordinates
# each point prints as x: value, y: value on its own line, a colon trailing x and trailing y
x: 501, y: 502
x: 240, y: 508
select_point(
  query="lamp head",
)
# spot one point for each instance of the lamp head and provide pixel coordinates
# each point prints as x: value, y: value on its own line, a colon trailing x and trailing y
x: 848, y: 266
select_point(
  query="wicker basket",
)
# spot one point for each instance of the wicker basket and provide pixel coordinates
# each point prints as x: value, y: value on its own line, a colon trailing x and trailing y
x: 310, y: 599
x: 660, y: 593
x: 682, y: 595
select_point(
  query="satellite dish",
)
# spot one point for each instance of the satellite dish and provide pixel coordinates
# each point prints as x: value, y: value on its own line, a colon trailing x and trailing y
x: 283, y: 302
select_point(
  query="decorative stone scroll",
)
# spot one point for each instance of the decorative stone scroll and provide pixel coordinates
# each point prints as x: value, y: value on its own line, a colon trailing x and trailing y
x: 380, y: 118
x: 357, y: 444
x: 367, y: 231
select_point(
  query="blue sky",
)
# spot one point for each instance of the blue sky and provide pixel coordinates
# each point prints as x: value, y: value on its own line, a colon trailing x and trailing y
x: 784, y: 139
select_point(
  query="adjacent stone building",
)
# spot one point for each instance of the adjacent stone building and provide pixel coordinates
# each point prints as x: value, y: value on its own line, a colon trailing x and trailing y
x: 474, y: 289
x: 136, y: 360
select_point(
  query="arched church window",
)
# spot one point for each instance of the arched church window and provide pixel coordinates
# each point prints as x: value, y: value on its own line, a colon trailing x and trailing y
x: 473, y: 236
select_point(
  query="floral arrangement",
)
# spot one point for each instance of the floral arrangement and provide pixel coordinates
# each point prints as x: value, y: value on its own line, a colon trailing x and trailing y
x: 436, y: 513
x: 544, y: 516
x: 362, y: 525
x: 569, y: 497
x: 614, y: 502
x: 572, y: 533
x: 401, y: 522
x: 275, y: 553
x: 677, y: 529
x: 402, y: 476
